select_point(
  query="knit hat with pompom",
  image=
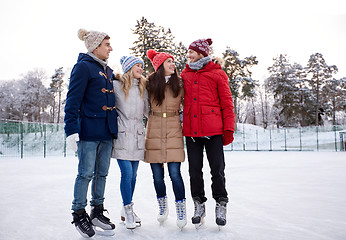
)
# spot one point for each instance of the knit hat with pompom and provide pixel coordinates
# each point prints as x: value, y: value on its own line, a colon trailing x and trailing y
x: 92, y: 39
x: 157, y: 58
x: 128, y: 62
x: 201, y: 46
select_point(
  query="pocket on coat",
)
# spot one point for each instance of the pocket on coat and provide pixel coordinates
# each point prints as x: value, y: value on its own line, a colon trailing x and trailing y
x: 211, y: 120
x: 140, y: 139
x: 120, y: 142
x: 186, y: 120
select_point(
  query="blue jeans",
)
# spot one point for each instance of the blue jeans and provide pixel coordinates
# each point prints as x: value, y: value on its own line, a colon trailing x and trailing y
x: 94, y: 159
x: 175, y: 175
x: 128, y: 171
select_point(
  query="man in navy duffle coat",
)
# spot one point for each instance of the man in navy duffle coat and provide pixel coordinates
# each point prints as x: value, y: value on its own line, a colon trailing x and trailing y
x: 90, y: 127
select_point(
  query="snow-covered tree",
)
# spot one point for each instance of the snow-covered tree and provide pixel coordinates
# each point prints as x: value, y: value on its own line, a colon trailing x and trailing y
x: 35, y: 96
x: 10, y: 101
x: 157, y: 38
x: 153, y: 37
x: 334, y: 95
x: 282, y: 83
x: 319, y: 73
x: 180, y: 56
x: 240, y: 81
x: 56, y: 88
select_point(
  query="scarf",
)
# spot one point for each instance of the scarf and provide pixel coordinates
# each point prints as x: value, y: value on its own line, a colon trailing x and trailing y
x: 103, y: 63
x: 200, y: 63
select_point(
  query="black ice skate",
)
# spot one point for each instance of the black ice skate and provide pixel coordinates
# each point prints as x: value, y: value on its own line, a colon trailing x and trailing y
x: 220, y: 213
x: 101, y: 221
x: 83, y: 223
x: 198, y: 217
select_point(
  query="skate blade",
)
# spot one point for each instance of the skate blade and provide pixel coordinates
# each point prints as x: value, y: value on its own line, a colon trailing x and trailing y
x: 220, y: 227
x: 102, y: 232
x: 199, y: 225
x: 123, y: 221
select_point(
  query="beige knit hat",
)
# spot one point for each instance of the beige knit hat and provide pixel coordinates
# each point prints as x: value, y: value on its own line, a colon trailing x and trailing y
x: 92, y: 39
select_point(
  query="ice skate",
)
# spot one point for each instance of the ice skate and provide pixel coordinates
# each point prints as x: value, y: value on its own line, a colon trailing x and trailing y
x: 220, y: 213
x: 163, y: 209
x: 101, y: 221
x: 130, y: 219
x: 83, y: 224
x: 180, y: 206
x: 198, y: 217
x: 137, y: 219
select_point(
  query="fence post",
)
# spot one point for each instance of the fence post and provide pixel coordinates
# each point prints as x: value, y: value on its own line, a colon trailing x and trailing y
x: 336, y: 143
x: 21, y: 140
x: 300, y: 139
x: 270, y: 134
x: 285, y: 140
x: 243, y: 138
x: 64, y: 145
x: 257, y: 139
x: 44, y: 140
x: 317, y: 137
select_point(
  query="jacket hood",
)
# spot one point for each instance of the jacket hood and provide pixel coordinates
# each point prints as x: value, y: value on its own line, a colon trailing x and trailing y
x: 85, y: 57
x: 90, y: 58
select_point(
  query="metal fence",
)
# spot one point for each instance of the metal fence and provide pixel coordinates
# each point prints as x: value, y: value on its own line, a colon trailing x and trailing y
x: 41, y: 139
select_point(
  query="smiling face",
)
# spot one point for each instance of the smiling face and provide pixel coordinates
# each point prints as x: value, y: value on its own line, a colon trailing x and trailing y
x: 137, y: 70
x: 194, y: 56
x: 169, y: 66
x: 103, y: 50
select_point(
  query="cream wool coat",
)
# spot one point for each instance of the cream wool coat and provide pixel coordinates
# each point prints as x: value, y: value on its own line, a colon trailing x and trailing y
x: 164, y: 137
x: 131, y: 141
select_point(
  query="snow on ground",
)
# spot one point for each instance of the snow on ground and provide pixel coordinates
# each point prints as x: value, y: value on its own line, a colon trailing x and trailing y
x: 273, y: 196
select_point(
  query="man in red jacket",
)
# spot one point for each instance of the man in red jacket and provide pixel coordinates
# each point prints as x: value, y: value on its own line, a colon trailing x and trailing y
x: 208, y: 122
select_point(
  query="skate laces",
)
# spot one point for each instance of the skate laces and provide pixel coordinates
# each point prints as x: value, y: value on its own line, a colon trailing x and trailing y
x: 84, y: 222
x: 221, y: 210
x: 199, y: 209
x: 180, y: 209
x: 102, y: 217
x: 162, y: 205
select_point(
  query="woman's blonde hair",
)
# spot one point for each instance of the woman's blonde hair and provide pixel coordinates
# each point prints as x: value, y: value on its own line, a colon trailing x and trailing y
x: 126, y: 80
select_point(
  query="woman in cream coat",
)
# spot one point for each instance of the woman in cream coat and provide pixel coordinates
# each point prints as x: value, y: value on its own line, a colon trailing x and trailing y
x: 132, y: 105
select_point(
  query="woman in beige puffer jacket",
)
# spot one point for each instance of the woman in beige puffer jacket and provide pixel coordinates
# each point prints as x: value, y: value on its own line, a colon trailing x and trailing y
x: 164, y: 138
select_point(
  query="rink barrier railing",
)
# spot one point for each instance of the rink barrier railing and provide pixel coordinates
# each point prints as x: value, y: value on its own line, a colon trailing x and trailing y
x: 20, y: 139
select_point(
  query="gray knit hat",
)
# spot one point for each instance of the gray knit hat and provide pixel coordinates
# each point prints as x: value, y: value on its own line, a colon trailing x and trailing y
x: 92, y: 39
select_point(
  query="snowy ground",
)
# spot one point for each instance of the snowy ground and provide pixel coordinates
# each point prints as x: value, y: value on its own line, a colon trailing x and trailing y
x: 273, y: 196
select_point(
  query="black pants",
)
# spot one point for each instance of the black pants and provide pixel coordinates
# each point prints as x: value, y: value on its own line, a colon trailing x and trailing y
x: 216, y: 159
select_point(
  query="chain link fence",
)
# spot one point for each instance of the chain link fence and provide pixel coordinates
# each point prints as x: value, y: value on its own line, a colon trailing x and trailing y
x: 20, y: 139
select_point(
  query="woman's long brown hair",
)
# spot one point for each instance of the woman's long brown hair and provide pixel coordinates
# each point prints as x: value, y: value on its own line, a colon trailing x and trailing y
x: 157, y: 84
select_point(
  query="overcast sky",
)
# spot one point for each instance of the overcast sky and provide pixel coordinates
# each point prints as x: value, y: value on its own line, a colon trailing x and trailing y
x: 43, y: 33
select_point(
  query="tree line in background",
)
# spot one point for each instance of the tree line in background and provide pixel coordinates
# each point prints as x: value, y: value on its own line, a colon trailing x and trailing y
x: 293, y: 95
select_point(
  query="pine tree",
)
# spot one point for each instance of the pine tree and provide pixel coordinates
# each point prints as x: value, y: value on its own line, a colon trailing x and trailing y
x: 153, y: 37
x: 148, y: 35
x: 180, y: 56
x: 56, y: 88
x: 319, y: 73
x: 283, y: 85
x: 304, y: 106
x: 334, y: 94
x: 239, y: 75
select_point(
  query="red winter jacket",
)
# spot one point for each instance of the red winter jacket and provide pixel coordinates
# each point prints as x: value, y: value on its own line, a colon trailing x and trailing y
x: 208, y: 103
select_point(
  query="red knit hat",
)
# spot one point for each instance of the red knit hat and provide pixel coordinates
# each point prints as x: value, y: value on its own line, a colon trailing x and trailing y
x: 201, y: 46
x: 157, y: 58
